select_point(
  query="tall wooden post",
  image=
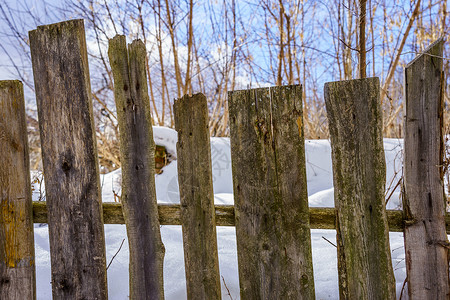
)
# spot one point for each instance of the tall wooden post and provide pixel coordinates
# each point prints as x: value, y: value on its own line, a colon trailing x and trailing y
x: 137, y: 150
x: 424, y: 201
x: 197, y: 198
x: 271, y: 200
x: 359, y: 176
x: 69, y: 153
x: 17, y: 264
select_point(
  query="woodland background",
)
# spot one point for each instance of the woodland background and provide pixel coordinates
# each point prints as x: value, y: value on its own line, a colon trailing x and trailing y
x: 215, y: 46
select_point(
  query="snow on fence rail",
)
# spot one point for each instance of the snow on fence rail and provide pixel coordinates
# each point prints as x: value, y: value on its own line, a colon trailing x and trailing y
x: 271, y: 211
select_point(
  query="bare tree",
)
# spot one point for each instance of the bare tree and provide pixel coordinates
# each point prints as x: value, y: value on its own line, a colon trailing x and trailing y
x: 217, y: 46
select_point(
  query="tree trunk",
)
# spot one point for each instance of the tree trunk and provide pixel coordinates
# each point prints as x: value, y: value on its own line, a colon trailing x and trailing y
x: 362, y: 38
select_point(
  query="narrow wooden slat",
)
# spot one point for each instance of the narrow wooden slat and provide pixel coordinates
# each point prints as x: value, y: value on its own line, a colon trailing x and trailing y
x: 271, y: 201
x: 17, y: 262
x: 70, y: 161
x: 359, y: 175
x: 197, y: 198
x: 424, y: 202
x: 169, y: 214
x: 137, y: 150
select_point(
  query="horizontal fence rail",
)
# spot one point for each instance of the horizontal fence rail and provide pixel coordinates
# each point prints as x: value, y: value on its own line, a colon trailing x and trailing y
x: 170, y: 214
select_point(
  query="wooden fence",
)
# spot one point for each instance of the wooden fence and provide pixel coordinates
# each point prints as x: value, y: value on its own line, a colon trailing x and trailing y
x: 271, y: 212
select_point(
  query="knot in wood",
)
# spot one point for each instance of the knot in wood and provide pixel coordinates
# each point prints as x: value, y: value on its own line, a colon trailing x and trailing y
x: 66, y: 161
x: 4, y: 281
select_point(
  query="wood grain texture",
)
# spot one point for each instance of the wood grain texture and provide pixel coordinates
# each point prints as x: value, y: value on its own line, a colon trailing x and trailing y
x: 17, y: 261
x: 70, y: 161
x: 271, y: 201
x: 197, y: 198
x: 424, y: 202
x: 137, y: 150
x: 359, y: 176
x: 169, y: 214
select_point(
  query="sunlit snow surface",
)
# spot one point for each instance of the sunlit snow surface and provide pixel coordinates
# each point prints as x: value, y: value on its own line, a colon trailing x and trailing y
x: 320, y: 191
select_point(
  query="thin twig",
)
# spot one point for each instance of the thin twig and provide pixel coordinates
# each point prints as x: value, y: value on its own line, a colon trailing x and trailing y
x: 393, y: 190
x: 329, y: 241
x: 115, y: 254
x: 424, y: 53
x: 229, y: 294
x: 346, y: 45
x: 398, y: 262
x: 403, y: 287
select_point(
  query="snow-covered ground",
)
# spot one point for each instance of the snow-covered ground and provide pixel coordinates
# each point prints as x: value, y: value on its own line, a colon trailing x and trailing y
x: 320, y: 191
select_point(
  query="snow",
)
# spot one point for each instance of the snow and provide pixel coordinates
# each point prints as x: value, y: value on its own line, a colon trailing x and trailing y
x: 320, y: 192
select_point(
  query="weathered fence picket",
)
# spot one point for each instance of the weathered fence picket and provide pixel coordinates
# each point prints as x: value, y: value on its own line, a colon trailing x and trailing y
x: 424, y: 201
x: 271, y: 201
x: 359, y: 176
x: 70, y: 161
x: 137, y: 149
x: 197, y: 198
x: 17, y: 263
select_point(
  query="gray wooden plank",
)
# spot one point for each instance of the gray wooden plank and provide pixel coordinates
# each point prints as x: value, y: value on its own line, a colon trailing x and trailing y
x: 197, y: 198
x: 359, y: 176
x: 271, y: 202
x: 137, y: 150
x: 424, y: 202
x: 69, y: 153
x: 17, y: 260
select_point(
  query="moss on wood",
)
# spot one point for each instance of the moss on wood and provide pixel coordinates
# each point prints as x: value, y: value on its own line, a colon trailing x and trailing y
x: 359, y: 175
